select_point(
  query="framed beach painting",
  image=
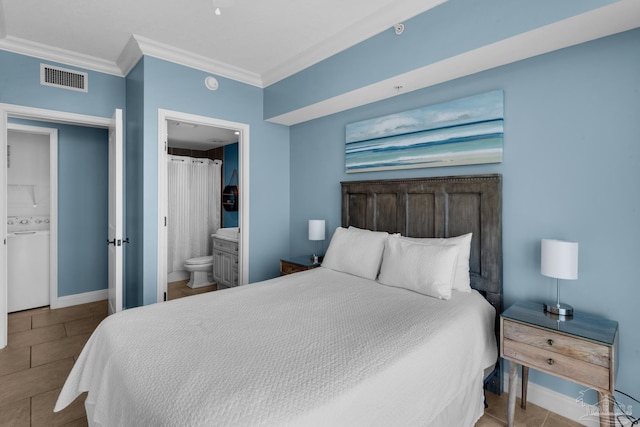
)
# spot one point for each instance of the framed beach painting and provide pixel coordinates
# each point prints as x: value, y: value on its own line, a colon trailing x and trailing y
x: 464, y: 131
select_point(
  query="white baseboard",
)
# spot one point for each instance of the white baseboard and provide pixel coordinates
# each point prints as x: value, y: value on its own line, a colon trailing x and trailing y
x: 83, y: 298
x: 561, y: 404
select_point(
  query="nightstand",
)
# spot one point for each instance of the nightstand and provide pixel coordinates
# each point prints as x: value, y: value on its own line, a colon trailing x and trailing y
x: 296, y: 264
x: 581, y: 349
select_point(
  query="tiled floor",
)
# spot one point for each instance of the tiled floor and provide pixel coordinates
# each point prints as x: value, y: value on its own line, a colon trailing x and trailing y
x: 534, y: 416
x: 180, y: 289
x: 42, y: 347
x: 44, y: 343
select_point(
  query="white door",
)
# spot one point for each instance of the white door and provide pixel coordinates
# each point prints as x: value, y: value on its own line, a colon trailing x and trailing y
x: 115, y: 213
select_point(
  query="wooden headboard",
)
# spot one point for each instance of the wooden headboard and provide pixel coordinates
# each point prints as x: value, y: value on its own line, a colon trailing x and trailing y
x: 438, y: 207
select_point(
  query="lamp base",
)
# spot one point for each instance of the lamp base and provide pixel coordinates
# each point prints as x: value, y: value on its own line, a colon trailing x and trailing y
x: 559, y: 308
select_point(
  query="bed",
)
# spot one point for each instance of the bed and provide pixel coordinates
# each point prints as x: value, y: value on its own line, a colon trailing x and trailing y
x: 321, y: 347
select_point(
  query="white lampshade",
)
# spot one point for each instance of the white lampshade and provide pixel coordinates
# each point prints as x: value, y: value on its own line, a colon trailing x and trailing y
x: 316, y: 229
x: 559, y: 259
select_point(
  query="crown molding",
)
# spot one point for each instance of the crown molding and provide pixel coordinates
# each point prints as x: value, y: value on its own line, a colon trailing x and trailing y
x: 615, y: 18
x: 169, y: 53
x: 364, y: 29
x: 67, y: 57
x: 129, y: 56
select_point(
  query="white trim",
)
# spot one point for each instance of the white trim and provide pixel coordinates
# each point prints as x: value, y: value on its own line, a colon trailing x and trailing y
x: 31, y: 113
x: 53, y: 202
x: 4, y: 324
x: 617, y: 17
x: 169, y: 53
x: 83, y: 298
x: 43, y: 77
x: 558, y: 403
x: 243, y: 189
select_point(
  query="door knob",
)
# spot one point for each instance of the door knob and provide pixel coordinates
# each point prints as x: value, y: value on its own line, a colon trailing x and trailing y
x: 111, y: 242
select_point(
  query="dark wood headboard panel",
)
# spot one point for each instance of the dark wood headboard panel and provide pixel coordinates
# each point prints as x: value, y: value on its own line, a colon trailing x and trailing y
x: 437, y: 207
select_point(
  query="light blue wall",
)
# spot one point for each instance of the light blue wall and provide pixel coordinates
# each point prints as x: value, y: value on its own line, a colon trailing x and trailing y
x: 178, y: 88
x: 82, y: 207
x: 83, y: 197
x: 450, y: 29
x: 82, y: 215
x: 133, y: 184
x: 20, y: 85
x: 229, y: 164
x: 570, y: 171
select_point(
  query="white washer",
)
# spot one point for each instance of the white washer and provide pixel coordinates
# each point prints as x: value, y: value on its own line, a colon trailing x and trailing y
x: 27, y: 270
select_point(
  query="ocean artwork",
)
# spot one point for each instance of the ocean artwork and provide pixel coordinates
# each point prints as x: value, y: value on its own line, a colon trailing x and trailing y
x: 464, y: 131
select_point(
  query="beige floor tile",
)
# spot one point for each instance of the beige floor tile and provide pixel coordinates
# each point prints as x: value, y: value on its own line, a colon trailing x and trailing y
x: 34, y: 381
x: 19, y: 324
x: 174, y: 294
x: 36, y: 336
x: 58, y: 349
x: 489, y: 421
x: 29, y: 313
x: 14, y: 360
x: 555, y: 420
x: 83, y: 326
x: 533, y: 416
x: 178, y: 284
x: 77, y: 423
x: 61, y: 315
x: 99, y: 307
x: 15, y: 414
x: 195, y: 291
x: 42, y: 410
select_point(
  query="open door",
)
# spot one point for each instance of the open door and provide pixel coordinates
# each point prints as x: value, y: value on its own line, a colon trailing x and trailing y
x: 115, y: 213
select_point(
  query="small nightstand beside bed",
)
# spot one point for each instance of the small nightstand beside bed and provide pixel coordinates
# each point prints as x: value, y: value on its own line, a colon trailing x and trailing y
x: 336, y: 345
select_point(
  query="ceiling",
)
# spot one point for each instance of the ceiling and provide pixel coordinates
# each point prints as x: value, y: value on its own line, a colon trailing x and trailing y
x: 194, y: 136
x: 263, y: 41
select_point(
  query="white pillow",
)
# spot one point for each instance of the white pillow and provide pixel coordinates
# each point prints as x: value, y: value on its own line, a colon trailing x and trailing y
x: 356, y: 251
x: 426, y: 269
x: 461, y: 281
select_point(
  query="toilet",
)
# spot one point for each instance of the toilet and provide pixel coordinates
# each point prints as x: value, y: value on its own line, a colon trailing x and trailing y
x: 199, y: 268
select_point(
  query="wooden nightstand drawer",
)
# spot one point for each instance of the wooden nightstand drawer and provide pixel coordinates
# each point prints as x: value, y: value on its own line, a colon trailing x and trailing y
x: 557, y: 364
x: 296, y: 264
x: 575, y: 348
x: 288, y: 268
x: 580, y: 348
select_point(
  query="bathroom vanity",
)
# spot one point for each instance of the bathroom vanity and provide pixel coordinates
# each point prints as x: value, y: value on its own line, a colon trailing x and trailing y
x: 225, y: 260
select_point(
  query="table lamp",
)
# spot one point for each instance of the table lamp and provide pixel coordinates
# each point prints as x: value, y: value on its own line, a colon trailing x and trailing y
x: 316, y: 232
x: 559, y: 259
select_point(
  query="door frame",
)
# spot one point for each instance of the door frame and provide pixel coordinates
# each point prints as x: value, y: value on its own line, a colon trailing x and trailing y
x: 30, y: 113
x: 243, y: 189
x: 52, y: 133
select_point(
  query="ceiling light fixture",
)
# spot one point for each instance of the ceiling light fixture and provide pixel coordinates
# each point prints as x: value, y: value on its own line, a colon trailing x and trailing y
x: 221, y: 4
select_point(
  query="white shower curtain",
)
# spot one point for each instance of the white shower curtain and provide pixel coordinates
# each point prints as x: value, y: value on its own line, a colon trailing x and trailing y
x: 194, y: 208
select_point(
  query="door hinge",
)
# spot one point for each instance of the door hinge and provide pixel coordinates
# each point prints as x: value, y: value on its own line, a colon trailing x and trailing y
x: 165, y: 146
x: 165, y: 296
x: 165, y: 221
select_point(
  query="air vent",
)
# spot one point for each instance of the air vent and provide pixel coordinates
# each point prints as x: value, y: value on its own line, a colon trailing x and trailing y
x: 63, y: 78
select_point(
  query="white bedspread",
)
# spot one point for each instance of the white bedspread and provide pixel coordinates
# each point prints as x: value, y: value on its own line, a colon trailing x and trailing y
x: 318, y: 348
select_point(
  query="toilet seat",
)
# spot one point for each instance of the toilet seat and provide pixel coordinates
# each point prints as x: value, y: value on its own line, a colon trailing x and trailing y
x: 199, y: 260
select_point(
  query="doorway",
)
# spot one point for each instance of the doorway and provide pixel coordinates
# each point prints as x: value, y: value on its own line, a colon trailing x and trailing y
x: 32, y: 210
x: 218, y: 133
x: 9, y: 111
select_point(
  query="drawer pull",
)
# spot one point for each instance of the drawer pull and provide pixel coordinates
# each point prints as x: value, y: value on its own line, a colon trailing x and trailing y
x: 550, y: 341
x: 550, y: 361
